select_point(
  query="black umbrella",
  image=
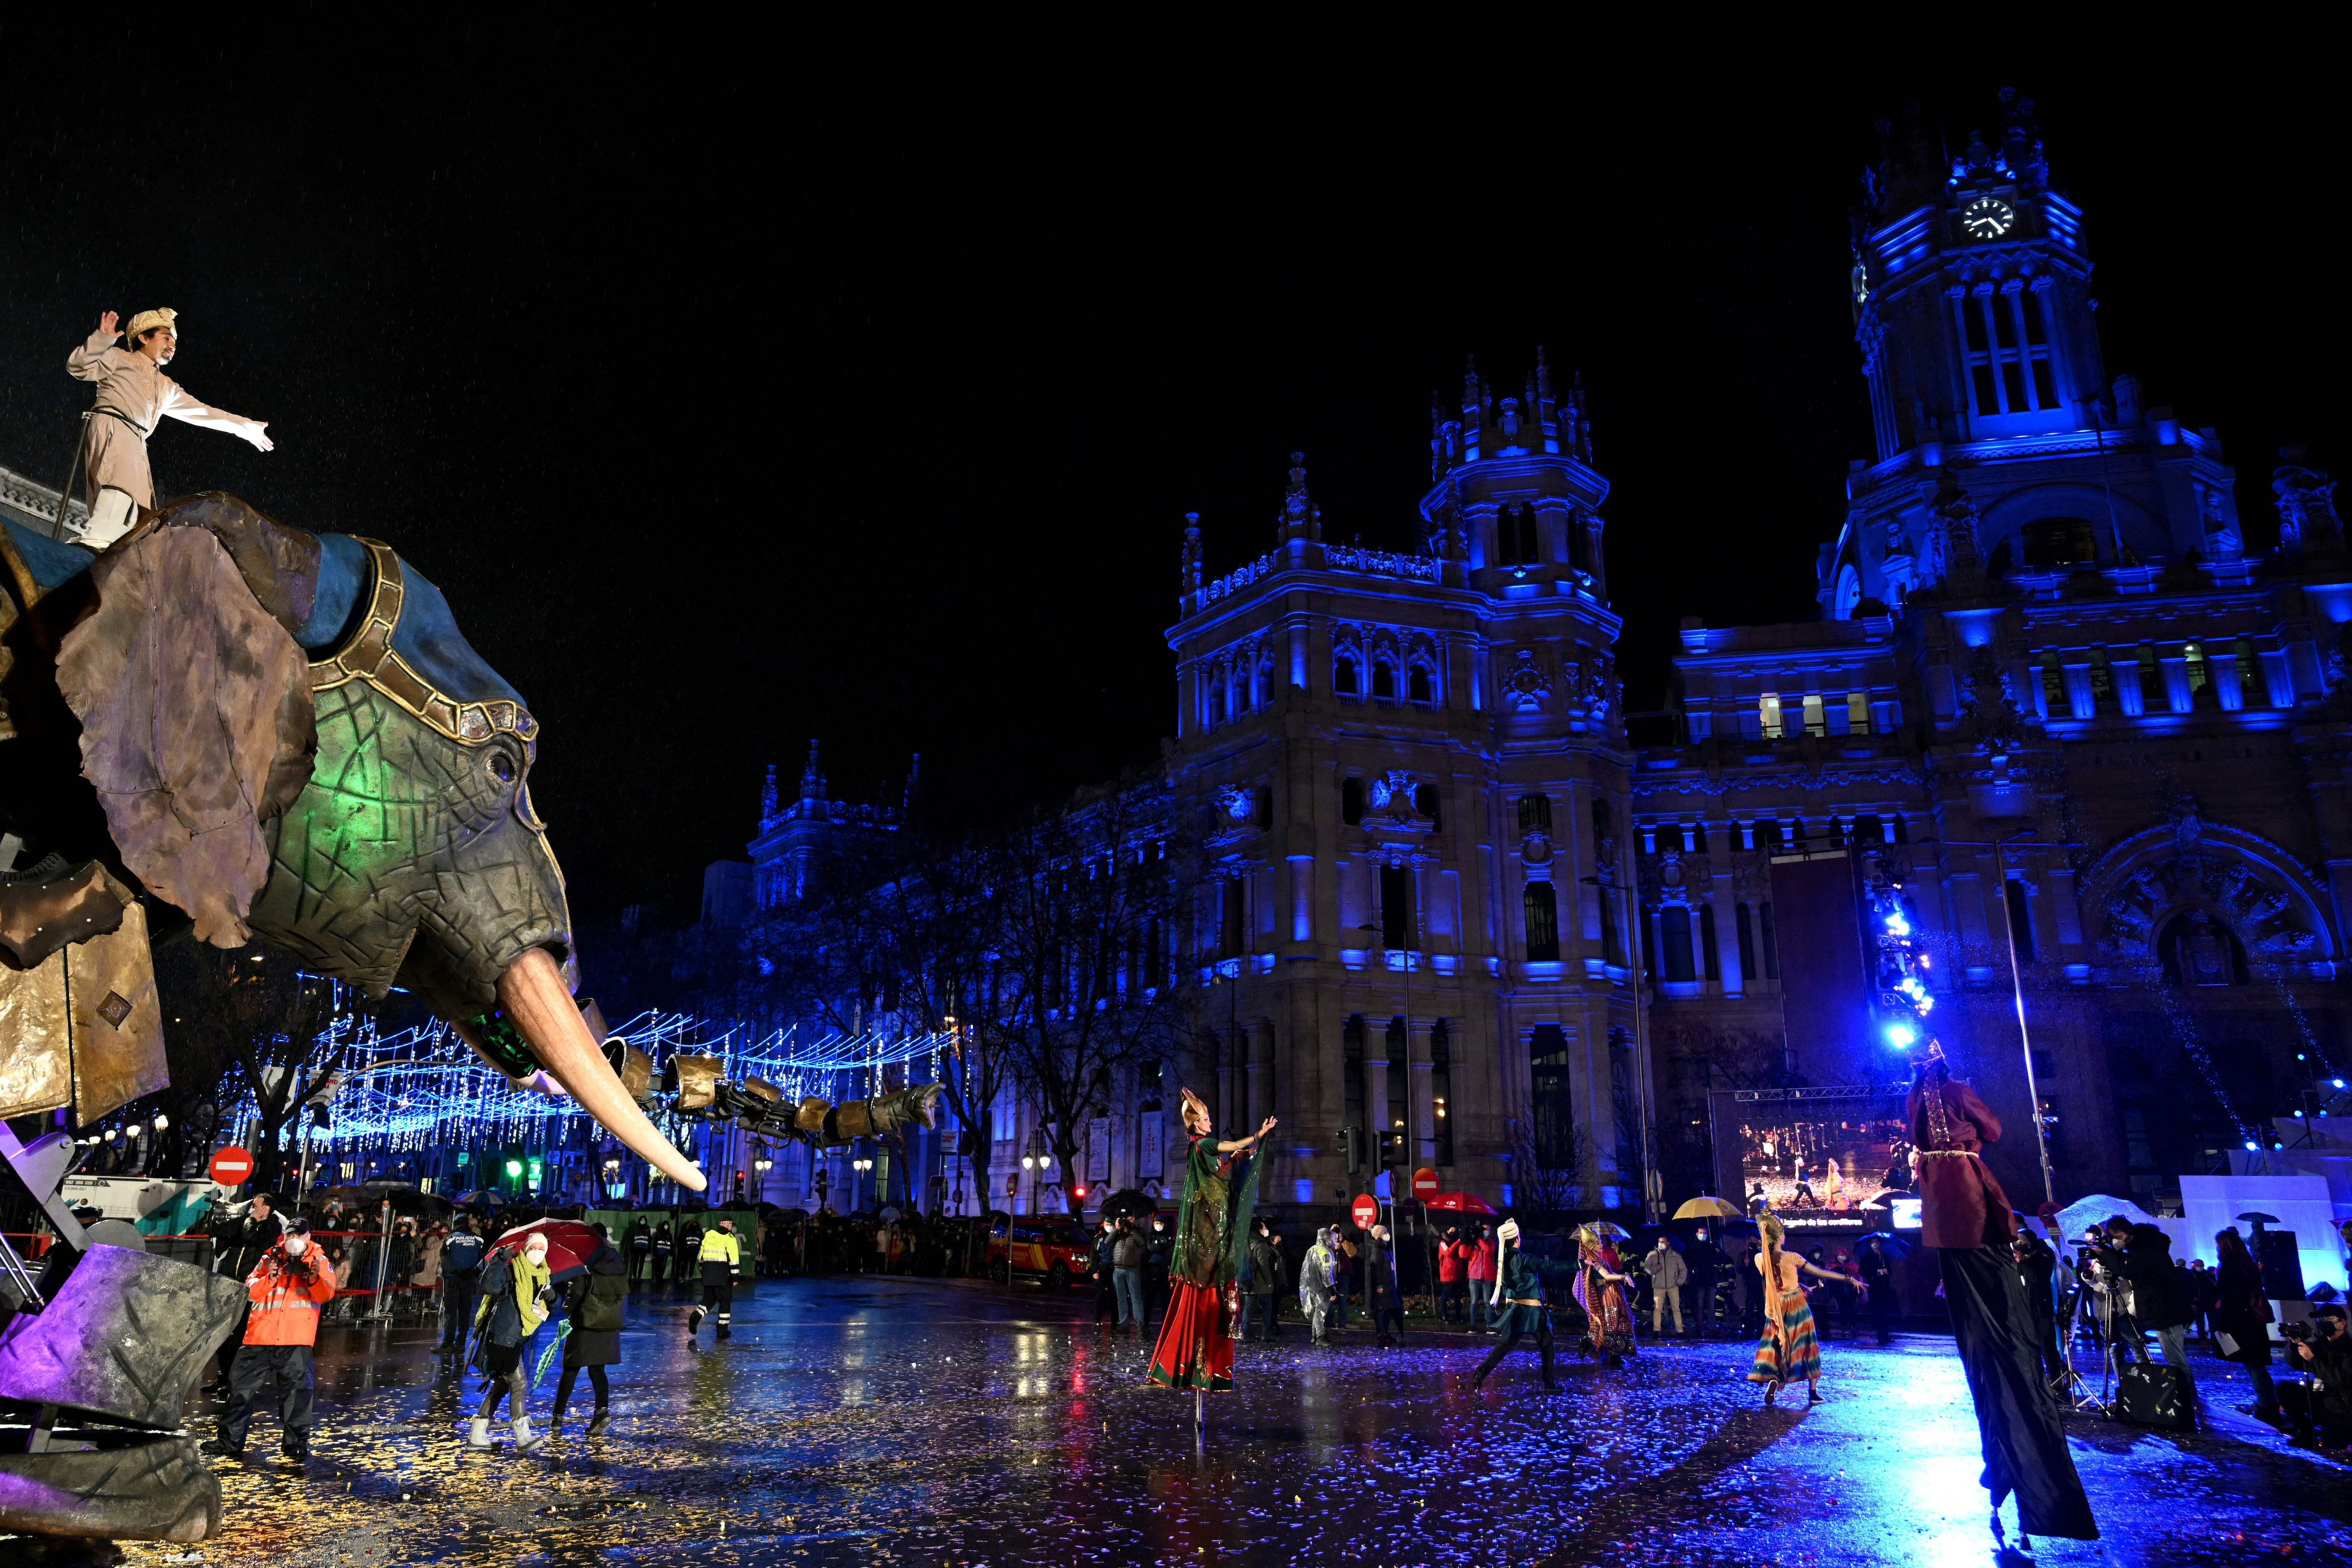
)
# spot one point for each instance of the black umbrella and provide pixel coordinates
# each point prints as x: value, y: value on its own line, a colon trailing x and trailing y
x: 1127, y: 1201
x: 1900, y: 1246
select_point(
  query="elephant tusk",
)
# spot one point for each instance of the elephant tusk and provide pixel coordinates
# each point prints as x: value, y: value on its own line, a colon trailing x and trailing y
x: 534, y: 996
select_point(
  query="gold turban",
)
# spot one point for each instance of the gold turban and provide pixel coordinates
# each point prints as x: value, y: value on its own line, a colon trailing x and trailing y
x: 148, y: 320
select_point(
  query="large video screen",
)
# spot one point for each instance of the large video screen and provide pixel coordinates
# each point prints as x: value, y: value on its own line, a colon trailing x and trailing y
x: 1826, y: 1155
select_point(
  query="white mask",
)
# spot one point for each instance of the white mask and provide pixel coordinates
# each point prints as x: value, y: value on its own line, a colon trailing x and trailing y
x: 297, y: 1245
x: 538, y: 1259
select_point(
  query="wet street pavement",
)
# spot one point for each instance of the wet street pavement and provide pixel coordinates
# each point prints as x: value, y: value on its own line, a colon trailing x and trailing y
x: 868, y: 1421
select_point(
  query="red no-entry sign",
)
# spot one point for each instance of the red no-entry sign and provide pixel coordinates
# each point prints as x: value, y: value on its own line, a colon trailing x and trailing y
x: 1367, y: 1210
x: 1424, y: 1184
x: 231, y: 1167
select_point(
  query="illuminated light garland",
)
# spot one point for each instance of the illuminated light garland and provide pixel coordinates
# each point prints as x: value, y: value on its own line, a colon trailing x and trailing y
x: 424, y: 1089
x: 2184, y: 1029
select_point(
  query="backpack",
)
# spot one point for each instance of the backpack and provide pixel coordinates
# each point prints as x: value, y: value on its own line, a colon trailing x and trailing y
x: 600, y: 1308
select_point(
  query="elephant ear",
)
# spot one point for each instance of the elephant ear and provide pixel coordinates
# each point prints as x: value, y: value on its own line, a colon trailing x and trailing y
x: 197, y: 722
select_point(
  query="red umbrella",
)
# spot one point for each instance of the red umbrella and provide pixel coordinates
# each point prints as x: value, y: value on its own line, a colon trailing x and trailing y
x: 569, y: 1246
x: 1459, y: 1203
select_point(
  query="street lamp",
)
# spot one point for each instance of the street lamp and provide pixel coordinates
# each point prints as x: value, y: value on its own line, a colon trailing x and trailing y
x: 2017, y: 987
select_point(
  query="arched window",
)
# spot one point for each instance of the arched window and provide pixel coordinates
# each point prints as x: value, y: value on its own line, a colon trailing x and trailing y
x: 1711, y: 960
x: 1343, y: 674
x: 1425, y: 801
x: 1554, y: 1105
x: 1351, y: 801
x: 1542, y: 908
x: 1674, y: 931
x: 2055, y: 543
x: 1517, y: 539
x: 1262, y: 692
x: 1384, y: 683
x: 1421, y: 686
x: 1746, y: 923
x: 1217, y: 703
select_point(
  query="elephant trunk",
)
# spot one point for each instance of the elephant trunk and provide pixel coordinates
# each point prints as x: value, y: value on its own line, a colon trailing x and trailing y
x: 540, y: 1004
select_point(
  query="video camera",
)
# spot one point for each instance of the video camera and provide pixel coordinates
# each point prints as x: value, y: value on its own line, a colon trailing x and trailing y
x: 2302, y: 1334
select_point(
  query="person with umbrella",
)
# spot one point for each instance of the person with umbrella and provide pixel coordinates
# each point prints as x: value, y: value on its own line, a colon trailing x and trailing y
x: 518, y: 1294
x: 1518, y: 1304
x: 594, y: 1300
x: 1600, y: 1285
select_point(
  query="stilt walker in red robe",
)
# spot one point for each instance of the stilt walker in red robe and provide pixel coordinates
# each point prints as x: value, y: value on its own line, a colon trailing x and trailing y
x: 1966, y: 1217
x: 1195, y: 1349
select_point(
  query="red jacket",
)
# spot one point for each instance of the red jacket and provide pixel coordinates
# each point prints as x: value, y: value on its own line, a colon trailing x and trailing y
x: 287, y: 1294
x: 1482, y: 1259
x: 1451, y: 1256
x: 1962, y: 1204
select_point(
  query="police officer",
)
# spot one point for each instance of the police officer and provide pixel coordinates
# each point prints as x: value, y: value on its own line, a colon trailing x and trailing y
x: 661, y: 1252
x: 722, y: 1265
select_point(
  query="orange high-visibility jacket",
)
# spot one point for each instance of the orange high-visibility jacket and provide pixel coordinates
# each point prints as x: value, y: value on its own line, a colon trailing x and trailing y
x: 287, y: 1294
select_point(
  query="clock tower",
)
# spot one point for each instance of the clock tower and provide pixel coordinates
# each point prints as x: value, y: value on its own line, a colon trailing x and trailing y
x: 1971, y: 293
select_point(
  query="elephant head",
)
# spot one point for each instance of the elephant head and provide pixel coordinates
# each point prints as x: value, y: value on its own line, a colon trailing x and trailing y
x: 291, y: 740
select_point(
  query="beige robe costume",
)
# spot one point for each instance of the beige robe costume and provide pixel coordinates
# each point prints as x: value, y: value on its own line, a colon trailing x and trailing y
x: 133, y: 394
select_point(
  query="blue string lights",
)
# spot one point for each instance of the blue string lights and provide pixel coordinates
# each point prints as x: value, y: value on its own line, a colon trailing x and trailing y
x: 422, y: 1090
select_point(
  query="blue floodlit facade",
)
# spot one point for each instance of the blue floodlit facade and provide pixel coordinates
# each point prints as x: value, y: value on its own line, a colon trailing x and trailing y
x: 2050, y: 690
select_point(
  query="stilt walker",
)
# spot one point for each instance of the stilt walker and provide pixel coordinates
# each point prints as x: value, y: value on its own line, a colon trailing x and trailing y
x: 1195, y: 1348
x: 1965, y: 1216
x: 133, y: 392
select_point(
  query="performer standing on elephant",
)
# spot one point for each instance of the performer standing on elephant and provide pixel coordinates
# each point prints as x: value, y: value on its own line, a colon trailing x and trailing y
x: 133, y: 392
x: 1965, y: 1216
x: 1195, y: 1348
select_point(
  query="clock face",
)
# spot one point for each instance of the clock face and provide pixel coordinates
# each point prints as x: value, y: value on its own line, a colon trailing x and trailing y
x: 1988, y: 218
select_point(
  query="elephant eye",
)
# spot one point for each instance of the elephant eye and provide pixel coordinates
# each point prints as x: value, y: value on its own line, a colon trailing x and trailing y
x: 502, y: 767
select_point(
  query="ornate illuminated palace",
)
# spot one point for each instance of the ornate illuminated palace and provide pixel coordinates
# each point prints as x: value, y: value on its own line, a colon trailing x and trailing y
x: 2050, y: 691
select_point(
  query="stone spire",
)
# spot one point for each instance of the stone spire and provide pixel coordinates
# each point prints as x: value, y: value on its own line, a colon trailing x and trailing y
x: 811, y: 780
x: 1190, y: 580
x: 1300, y: 520
x: 768, y: 797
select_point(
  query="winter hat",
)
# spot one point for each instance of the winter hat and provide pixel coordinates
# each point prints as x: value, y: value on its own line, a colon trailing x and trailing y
x: 148, y: 320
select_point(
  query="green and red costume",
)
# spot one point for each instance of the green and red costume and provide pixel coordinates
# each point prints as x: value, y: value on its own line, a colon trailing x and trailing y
x: 1195, y: 1349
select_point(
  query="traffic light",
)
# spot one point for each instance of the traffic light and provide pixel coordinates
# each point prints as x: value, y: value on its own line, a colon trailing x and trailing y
x: 1351, y: 1144
x: 738, y: 1187
x: 535, y: 1170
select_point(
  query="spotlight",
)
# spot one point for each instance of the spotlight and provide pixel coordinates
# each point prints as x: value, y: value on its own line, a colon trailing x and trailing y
x: 1900, y: 1034
x: 2253, y: 1145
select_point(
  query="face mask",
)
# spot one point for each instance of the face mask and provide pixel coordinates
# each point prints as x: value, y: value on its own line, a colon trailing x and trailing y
x: 297, y: 1245
x: 538, y: 1259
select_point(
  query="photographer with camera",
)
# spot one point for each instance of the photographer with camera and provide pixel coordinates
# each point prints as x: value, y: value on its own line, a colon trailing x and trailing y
x: 2160, y: 1304
x: 2320, y: 1408
x: 285, y: 1290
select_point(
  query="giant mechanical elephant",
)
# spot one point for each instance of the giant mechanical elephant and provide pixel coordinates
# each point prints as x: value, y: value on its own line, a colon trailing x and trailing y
x: 264, y: 734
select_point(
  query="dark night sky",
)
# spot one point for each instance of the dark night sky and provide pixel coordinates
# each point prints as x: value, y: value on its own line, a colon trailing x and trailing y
x: 732, y: 407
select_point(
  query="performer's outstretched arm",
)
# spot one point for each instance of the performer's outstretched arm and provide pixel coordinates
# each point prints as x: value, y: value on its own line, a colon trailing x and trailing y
x: 87, y: 362
x: 179, y: 405
x: 1233, y: 1146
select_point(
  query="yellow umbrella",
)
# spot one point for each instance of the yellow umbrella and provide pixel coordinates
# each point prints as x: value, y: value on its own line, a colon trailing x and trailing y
x: 1708, y: 1208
